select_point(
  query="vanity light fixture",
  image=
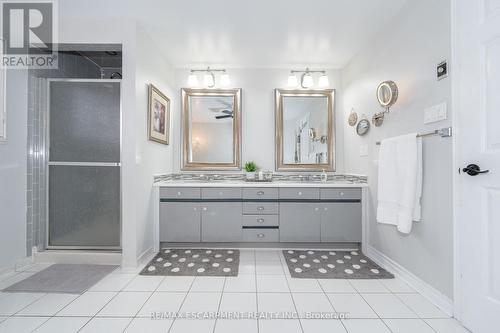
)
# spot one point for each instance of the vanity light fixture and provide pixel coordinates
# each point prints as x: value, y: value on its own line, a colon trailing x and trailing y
x: 192, y: 80
x: 224, y: 80
x: 323, y: 81
x: 292, y: 81
x: 306, y: 78
x: 307, y: 81
x: 208, y: 77
x: 209, y: 80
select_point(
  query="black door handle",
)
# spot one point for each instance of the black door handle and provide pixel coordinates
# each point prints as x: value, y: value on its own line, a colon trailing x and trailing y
x: 474, y: 170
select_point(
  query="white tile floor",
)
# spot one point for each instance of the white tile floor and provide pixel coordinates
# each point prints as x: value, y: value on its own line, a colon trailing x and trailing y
x: 125, y: 302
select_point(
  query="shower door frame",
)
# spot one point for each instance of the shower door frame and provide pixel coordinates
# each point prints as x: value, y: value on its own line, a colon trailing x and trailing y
x: 103, y: 164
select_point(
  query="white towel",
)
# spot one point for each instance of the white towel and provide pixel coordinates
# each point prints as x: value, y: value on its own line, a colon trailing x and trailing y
x: 400, y: 181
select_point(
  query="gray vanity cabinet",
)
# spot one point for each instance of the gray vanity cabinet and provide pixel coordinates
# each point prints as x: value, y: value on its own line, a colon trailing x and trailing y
x: 299, y: 222
x: 221, y: 222
x: 341, y: 222
x: 180, y: 222
x: 260, y: 214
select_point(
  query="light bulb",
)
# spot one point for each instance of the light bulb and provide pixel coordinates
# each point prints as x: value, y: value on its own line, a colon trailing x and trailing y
x: 292, y: 80
x: 307, y: 81
x: 224, y: 80
x: 208, y: 80
x: 323, y: 81
x: 192, y: 80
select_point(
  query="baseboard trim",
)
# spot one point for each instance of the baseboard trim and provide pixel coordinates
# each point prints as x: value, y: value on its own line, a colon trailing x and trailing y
x: 146, y: 257
x: 18, y: 266
x: 432, y: 294
x: 78, y: 257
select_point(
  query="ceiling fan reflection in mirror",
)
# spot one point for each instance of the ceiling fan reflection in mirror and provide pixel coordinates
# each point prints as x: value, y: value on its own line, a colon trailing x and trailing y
x: 226, y: 110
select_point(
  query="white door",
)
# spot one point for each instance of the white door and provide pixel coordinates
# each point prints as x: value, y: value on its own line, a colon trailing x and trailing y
x: 476, y: 80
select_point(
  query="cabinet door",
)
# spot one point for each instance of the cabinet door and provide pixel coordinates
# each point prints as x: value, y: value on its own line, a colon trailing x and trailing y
x: 341, y: 222
x: 299, y: 222
x: 221, y: 222
x: 179, y: 222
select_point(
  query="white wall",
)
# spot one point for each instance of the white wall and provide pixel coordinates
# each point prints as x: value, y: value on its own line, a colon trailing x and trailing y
x: 258, y: 86
x: 407, y: 51
x: 13, y: 172
x: 151, y: 157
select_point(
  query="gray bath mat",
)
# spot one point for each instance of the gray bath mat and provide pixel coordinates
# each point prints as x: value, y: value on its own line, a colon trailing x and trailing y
x: 308, y: 264
x: 194, y: 262
x: 63, y: 278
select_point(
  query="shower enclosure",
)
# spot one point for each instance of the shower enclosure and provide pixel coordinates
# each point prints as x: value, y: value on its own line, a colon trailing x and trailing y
x: 83, y: 178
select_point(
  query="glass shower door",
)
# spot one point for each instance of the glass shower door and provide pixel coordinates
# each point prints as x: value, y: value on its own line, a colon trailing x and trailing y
x: 84, y: 164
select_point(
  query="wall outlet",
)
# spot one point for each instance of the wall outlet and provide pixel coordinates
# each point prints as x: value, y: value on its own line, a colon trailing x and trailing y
x: 363, y: 150
x: 435, y: 113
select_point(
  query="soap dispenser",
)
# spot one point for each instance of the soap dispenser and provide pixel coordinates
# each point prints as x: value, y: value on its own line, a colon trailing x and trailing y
x: 324, y: 176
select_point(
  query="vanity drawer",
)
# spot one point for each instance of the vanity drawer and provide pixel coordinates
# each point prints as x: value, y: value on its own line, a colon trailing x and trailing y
x: 260, y: 208
x: 261, y: 235
x: 341, y: 193
x: 260, y: 193
x: 179, y: 193
x: 299, y: 193
x: 221, y: 193
x: 260, y: 220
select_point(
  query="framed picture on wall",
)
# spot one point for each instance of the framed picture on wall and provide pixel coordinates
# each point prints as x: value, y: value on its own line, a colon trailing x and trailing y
x: 158, y: 116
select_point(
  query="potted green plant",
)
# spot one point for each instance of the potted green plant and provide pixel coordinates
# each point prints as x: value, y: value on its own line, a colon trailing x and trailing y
x: 250, y: 168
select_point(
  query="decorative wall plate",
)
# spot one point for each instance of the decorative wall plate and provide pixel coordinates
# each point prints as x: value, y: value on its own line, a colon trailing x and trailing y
x: 353, y: 118
x: 378, y: 119
x: 363, y: 127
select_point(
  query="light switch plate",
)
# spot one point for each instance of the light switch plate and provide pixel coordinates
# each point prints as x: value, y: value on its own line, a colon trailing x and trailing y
x: 435, y: 113
x: 363, y: 150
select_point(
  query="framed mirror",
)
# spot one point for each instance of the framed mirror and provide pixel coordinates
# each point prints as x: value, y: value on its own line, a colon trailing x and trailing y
x: 387, y: 93
x: 305, y: 130
x: 211, y: 122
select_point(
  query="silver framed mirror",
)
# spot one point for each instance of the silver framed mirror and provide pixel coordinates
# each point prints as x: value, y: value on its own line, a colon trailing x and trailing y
x: 211, y: 123
x: 305, y: 135
x: 387, y: 94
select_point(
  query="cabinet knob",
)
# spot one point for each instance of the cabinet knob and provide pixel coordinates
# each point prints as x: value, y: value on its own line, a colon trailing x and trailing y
x: 179, y: 193
x: 204, y: 208
x: 195, y: 209
x: 316, y: 209
x: 260, y: 193
x: 300, y: 193
x: 341, y: 194
x: 260, y: 208
x: 326, y: 209
x: 261, y: 235
x: 261, y: 220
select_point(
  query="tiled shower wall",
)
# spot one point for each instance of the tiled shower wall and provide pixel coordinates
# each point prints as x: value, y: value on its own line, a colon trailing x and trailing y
x: 71, y: 65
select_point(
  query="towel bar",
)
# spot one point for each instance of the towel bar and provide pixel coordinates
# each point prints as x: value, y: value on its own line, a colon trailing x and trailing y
x: 443, y: 132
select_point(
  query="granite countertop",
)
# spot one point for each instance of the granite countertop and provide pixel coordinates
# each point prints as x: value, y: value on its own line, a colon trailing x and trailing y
x: 237, y: 180
x: 183, y: 183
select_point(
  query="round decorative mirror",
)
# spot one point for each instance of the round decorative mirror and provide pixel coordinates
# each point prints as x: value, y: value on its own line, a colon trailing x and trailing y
x: 387, y: 93
x: 363, y: 127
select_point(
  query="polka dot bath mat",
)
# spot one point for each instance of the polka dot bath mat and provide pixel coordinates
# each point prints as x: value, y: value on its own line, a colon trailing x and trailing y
x: 309, y: 264
x: 194, y: 262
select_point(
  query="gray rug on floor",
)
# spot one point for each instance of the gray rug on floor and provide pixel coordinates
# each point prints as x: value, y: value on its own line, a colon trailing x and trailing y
x: 63, y: 278
x: 194, y: 262
x: 308, y: 264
